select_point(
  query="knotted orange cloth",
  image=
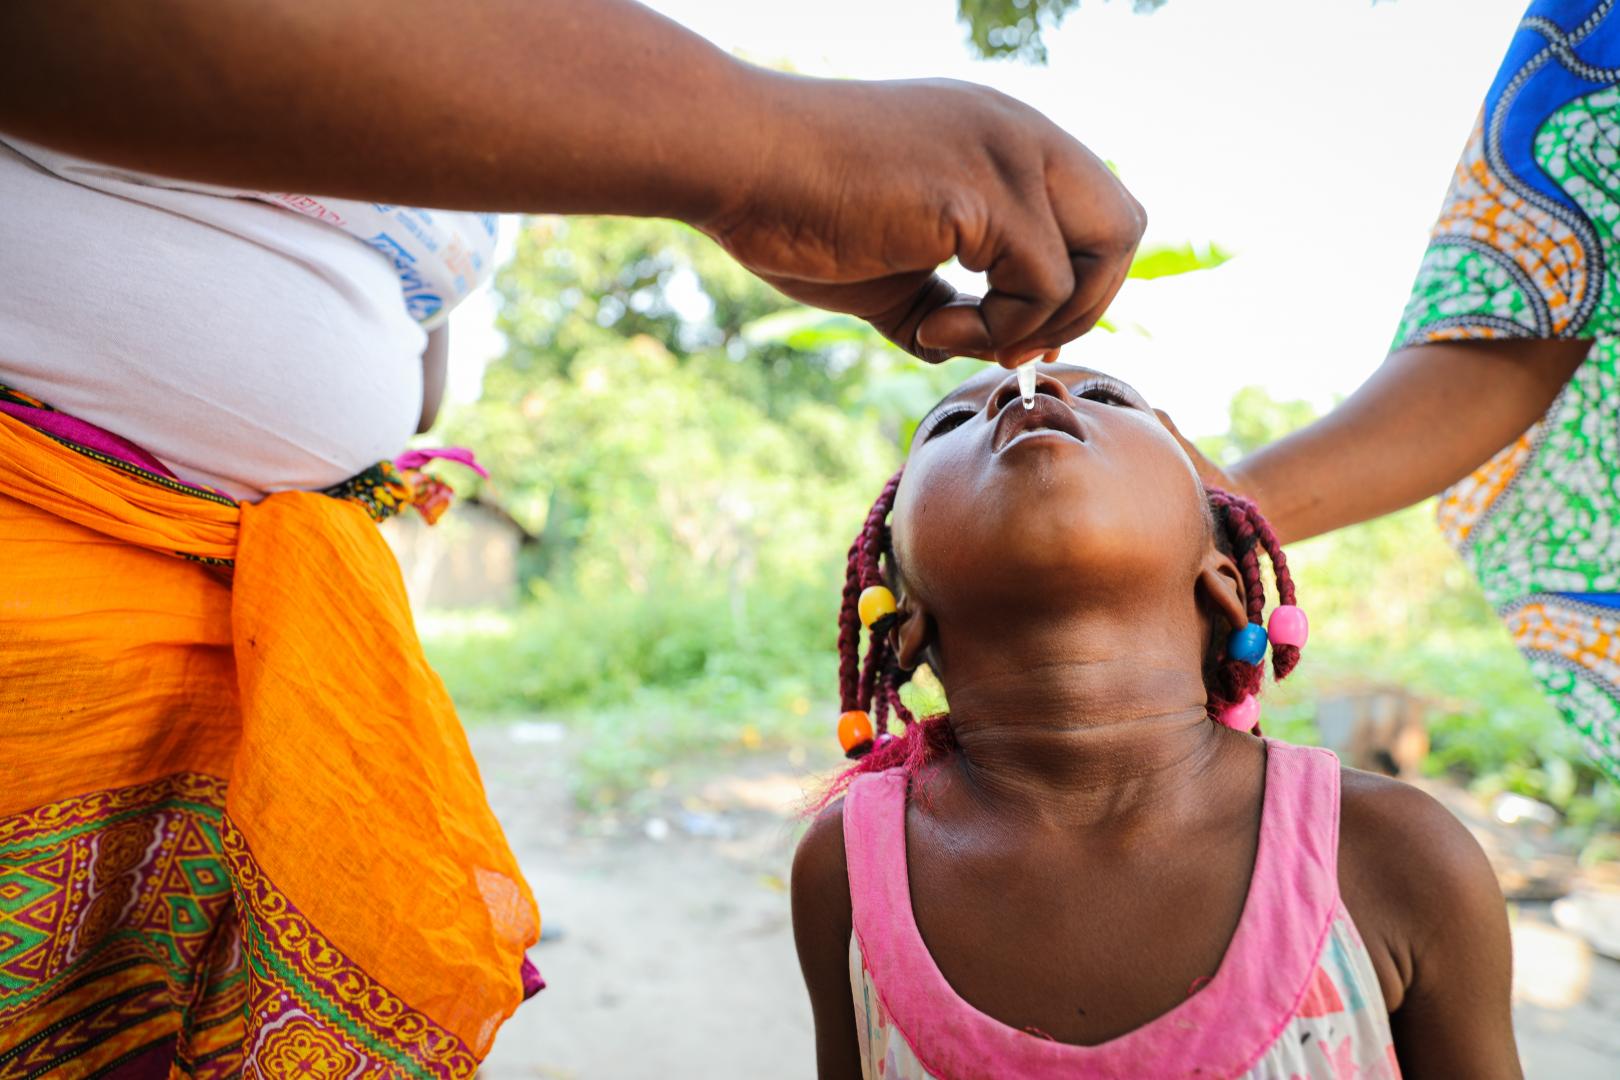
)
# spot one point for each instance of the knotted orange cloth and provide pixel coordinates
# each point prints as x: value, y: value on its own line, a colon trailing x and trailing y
x: 241, y: 831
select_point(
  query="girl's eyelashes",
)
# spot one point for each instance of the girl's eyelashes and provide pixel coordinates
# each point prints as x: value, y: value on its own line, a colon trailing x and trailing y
x: 1106, y: 391
x: 952, y: 418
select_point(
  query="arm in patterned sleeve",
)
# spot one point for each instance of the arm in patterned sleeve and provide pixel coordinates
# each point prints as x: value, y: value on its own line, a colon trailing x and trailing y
x: 1508, y: 348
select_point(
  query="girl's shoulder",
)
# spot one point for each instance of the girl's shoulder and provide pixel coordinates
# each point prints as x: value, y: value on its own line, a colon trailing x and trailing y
x: 1410, y: 873
x: 1387, y: 825
x: 819, y: 885
x: 820, y: 854
x: 868, y: 820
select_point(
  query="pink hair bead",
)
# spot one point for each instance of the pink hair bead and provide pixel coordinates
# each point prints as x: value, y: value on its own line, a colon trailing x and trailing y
x: 1242, y: 716
x: 1288, y: 626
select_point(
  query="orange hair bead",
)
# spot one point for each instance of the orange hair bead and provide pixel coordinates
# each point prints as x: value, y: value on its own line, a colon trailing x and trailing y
x: 855, y: 732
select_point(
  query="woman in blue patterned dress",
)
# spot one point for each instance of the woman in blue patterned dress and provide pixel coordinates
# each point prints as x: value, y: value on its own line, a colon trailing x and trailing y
x: 1501, y: 390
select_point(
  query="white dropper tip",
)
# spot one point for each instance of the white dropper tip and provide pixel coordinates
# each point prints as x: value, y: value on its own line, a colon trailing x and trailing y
x: 1026, y: 383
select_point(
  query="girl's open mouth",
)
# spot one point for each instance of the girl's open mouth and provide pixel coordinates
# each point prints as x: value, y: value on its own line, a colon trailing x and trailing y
x: 1049, y: 416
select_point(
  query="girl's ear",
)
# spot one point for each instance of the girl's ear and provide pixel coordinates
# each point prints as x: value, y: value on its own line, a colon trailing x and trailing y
x: 912, y: 634
x: 1220, y: 583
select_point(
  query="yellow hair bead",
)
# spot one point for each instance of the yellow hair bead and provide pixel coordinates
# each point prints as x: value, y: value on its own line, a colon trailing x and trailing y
x: 876, y: 603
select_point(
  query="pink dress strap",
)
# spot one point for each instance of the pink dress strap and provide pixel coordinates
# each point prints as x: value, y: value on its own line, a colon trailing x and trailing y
x: 1222, y: 1030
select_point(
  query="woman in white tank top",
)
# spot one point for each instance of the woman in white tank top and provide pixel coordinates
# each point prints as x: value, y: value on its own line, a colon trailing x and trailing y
x: 254, y: 349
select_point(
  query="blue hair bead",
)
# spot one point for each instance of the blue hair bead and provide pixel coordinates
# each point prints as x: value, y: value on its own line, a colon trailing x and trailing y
x: 1248, y: 644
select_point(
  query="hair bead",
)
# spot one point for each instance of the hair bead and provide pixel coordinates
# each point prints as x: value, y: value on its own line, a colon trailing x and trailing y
x: 876, y: 608
x: 1288, y: 626
x: 1242, y: 716
x: 1245, y: 534
x: 855, y: 733
x: 1247, y: 645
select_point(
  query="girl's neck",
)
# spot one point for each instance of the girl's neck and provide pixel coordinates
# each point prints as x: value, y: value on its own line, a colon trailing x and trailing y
x: 1076, y: 730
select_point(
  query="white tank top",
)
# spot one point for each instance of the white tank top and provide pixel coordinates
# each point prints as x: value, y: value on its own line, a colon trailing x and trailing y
x: 252, y: 343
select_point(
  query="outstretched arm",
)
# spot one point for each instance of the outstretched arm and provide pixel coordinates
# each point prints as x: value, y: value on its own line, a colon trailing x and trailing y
x: 842, y: 193
x: 1428, y: 417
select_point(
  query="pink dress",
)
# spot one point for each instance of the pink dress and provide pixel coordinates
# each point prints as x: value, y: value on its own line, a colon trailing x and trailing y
x: 1295, y: 998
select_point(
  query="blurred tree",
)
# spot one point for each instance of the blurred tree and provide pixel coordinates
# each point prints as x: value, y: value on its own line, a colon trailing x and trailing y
x: 647, y: 423
x: 1255, y: 418
x: 1014, y: 29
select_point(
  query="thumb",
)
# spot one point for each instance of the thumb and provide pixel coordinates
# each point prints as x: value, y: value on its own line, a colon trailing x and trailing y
x: 911, y: 323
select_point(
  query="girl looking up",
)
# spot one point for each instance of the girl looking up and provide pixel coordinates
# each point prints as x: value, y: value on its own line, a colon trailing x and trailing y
x: 1094, y: 865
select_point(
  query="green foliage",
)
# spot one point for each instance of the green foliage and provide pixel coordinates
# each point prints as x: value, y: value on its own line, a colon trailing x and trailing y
x: 604, y: 647
x: 1014, y: 29
x: 1255, y: 418
x: 1168, y: 260
x: 694, y: 453
x: 645, y: 680
x: 650, y: 427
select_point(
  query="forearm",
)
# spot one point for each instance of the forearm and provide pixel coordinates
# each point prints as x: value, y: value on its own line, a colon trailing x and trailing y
x: 508, y: 105
x: 1427, y: 418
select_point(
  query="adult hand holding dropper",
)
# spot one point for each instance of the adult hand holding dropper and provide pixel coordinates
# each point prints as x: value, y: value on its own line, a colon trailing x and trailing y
x: 845, y: 194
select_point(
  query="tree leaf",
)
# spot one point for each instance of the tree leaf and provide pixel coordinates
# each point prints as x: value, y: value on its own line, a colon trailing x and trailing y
x: 1168, y: 260
x: 1015, y: 29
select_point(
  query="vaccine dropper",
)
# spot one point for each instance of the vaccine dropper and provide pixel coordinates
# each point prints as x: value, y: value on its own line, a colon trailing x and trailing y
x: 1026, y: 383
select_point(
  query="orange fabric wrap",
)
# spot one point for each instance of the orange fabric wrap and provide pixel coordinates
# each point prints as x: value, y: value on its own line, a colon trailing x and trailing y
x: 298, y: 678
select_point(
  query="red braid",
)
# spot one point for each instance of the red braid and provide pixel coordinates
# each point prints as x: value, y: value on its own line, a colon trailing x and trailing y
x: 863, y: 569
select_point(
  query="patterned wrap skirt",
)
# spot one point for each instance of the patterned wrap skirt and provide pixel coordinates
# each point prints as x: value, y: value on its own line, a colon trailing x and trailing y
x: 1526, y: 248
x: 241, y: 833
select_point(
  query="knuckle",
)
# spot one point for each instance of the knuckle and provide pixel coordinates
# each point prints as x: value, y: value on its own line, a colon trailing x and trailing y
x: 1140, y: 216
x: 1124, y: 230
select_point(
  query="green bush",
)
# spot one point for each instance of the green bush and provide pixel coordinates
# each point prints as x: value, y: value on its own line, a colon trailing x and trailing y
x: 603, y: 648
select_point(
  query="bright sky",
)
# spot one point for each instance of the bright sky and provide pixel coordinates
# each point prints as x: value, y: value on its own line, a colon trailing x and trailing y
x: 1314, y: 138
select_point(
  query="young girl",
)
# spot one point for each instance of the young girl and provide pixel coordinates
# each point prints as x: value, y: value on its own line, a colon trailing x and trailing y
x: 1092, y: 867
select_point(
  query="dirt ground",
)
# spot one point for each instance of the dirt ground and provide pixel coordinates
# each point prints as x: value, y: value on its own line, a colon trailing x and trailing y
x: 673, y: 954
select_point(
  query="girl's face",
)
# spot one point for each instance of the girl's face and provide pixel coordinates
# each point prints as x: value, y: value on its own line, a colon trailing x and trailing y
x: 1082, y: 496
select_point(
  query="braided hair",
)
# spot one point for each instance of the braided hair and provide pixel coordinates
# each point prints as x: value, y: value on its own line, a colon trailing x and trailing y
x: 871, y: 684
x: 1239, y: 530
